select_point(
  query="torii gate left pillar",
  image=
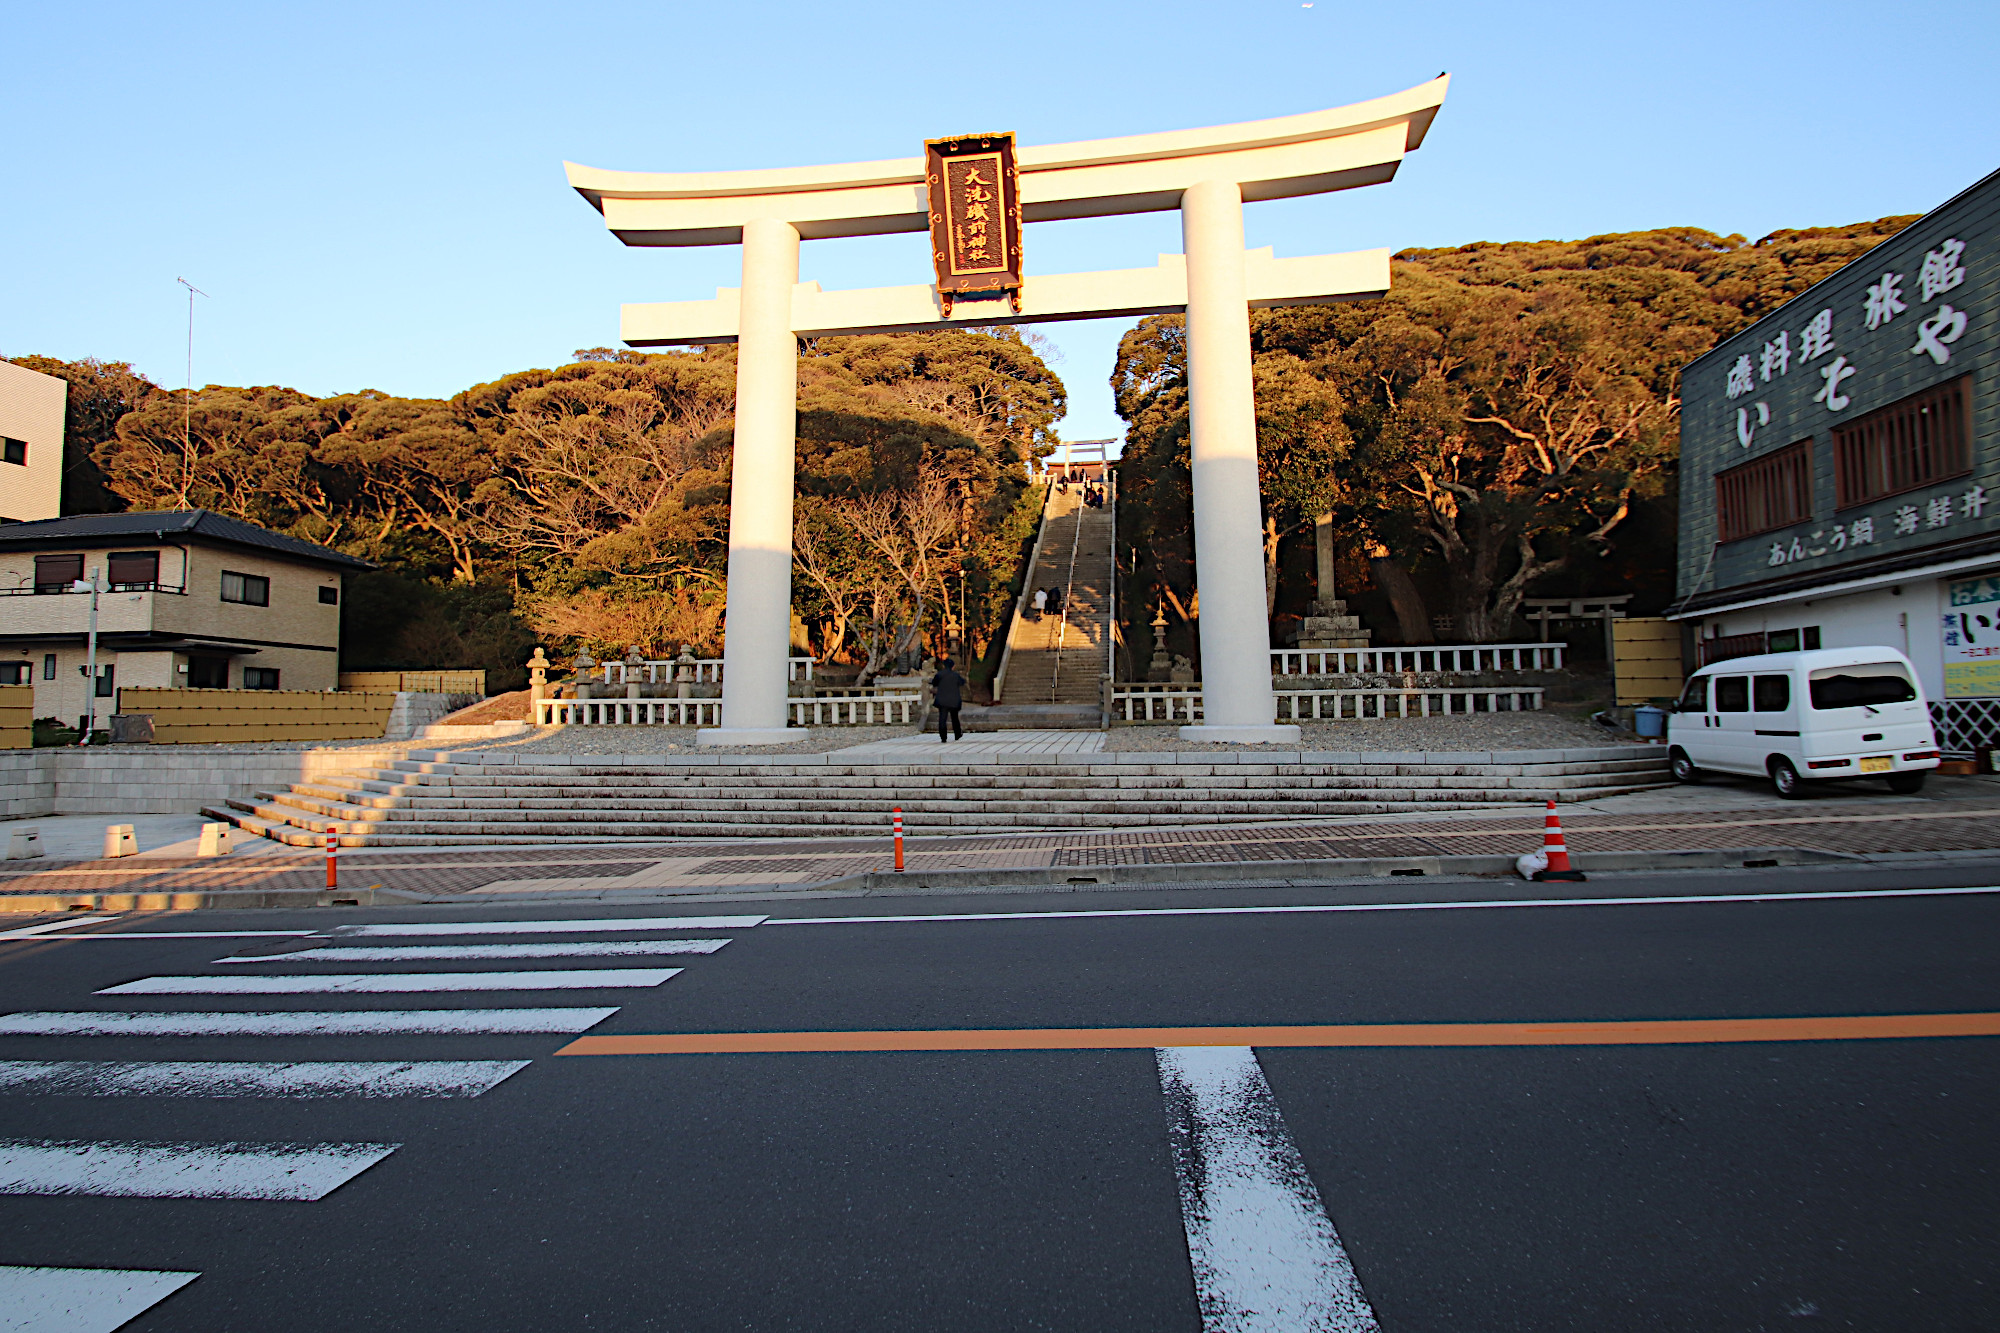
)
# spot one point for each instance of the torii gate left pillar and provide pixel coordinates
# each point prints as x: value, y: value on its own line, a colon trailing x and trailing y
x: 756, y: 647
x: 1208, y: 174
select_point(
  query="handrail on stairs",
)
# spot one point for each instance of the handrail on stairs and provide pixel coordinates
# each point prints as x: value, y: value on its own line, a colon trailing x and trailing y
x: 1021, y: 598
x: 1069, y: 591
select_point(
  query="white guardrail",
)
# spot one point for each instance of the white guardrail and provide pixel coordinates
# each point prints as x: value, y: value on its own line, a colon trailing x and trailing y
x: 1430, y: 657
x: 1145, y: 702
x: 835, y: 708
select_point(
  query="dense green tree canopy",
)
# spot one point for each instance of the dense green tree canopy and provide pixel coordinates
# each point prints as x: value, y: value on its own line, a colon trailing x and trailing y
x: 1498, y: 415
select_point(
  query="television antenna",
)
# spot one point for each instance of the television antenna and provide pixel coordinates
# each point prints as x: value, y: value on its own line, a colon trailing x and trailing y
x: 187, y: 401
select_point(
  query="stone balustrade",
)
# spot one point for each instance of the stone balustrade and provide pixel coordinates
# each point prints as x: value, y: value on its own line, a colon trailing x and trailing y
x: 1425, y: 657
x: 1147, y: 702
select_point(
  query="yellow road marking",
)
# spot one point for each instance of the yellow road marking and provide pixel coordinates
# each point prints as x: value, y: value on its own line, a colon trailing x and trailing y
x: 1859, y: 1027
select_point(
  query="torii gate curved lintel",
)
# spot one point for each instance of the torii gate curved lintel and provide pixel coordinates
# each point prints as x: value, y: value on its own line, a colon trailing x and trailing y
x: 1209, y: 174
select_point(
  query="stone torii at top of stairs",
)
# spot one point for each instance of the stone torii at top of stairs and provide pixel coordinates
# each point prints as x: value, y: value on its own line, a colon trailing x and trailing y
x: 1208, y: 174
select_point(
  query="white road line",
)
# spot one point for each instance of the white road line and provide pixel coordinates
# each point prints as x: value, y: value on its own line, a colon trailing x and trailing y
x: 254, y: 1078
x: 416, y: 953
x: 1384, y: 907
x: 145, y: 1170
x: 80, y: 1300
x: 605, y: 924
x: 379, y: 983
x: 302, y: 1023
x: 185, y: 934
x: 50, y: 927
x: 1266, y: 1257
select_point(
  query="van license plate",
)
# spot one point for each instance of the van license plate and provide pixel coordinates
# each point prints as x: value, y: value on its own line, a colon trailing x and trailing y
x: 1876, y: 763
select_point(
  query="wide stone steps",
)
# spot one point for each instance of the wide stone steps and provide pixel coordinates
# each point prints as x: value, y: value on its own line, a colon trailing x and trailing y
x: 438, y: 804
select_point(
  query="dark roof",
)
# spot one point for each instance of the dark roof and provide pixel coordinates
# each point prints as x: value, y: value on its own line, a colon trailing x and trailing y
x: 197, y: 525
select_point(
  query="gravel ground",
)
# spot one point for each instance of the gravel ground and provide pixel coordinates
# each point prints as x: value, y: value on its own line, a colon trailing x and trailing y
x: 1481, y: 731
x: 228, y: 747
x: 669, y: 740
x: 1485, y: 731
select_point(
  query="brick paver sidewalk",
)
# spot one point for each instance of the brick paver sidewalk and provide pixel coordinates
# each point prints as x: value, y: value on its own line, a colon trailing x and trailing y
x: 1856, y: 825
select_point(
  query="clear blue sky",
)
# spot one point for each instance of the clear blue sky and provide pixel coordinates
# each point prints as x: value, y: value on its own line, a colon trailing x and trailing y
x: 372, y: 194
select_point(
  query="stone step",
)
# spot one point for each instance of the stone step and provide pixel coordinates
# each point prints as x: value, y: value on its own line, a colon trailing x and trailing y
x: 455, y: 832
x: 1088, y: 775
x: 761, y: 807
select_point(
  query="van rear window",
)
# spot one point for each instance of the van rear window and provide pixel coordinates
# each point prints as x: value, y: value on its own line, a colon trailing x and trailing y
x: 1869, y: 685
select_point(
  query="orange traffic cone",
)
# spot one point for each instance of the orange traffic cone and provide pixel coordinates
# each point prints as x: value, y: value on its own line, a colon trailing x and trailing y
x: 1553, y: 847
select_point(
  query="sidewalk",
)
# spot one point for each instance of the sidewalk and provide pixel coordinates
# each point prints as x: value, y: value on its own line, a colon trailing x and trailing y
x: 1951, y: 815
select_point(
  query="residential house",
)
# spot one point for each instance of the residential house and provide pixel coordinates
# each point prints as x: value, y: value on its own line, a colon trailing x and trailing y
x: 188, y: 598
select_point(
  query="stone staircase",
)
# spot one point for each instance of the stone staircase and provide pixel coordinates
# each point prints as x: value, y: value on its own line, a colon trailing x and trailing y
x: 493, y: 797
x: 1061, y: 658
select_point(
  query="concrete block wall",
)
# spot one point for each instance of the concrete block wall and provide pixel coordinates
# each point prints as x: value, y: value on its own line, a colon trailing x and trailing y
x: 27, y: 783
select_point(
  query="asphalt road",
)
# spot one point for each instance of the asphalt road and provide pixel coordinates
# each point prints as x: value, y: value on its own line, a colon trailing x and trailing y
x: 1844, y: 1184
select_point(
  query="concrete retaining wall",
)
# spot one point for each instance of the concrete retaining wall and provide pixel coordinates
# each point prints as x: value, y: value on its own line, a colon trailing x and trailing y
x: 71, y: 781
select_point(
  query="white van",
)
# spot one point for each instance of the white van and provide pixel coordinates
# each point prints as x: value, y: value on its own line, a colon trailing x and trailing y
x: 1801, y: 718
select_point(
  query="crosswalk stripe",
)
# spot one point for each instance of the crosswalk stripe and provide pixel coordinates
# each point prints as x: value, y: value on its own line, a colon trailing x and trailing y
x: 417, y: 953
x: 254, y: 1078
x: 80, y: 1300
x: 153, y: 1170
x: 49, y: 927
x: 598, y: 925
x: 1265, y: 1255
x: 302, y: 1023
x: 367, y: 983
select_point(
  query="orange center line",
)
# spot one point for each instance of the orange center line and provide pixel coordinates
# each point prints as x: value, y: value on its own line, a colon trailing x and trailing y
x: 1860, y: 1027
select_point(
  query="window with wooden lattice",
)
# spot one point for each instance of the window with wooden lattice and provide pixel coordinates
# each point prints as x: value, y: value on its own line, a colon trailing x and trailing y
x: 1766, y: 493
x: 1916, y: 442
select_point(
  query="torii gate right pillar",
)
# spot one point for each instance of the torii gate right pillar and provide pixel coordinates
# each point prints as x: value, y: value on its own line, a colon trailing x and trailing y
x: 1236, y: 696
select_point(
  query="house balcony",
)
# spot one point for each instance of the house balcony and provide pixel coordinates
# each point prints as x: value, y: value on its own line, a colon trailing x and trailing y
x: 25, y: 614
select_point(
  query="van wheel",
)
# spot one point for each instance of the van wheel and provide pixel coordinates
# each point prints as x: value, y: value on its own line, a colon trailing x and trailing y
x: 1907, y: 784
x: 1787, y: 780
x: 1682, y: 767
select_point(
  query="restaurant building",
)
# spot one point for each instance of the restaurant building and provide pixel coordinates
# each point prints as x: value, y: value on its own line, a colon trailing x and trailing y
x: 1840, y: 469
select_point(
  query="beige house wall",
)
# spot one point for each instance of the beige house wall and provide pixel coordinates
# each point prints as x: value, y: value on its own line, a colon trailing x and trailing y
x: 31, y: 409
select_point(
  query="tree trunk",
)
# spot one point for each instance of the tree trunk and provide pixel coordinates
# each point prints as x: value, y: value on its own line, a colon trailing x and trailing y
x: 1270, y: 567
x: 1413, y: 618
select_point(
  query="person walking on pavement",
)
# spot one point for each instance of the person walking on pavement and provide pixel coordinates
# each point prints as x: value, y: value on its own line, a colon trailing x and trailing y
x: 1040, y: 602
x: 1055, y: 602
x: 945, y: 692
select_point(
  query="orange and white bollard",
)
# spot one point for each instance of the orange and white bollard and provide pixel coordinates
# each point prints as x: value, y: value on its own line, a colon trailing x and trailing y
x: 332, y: 847
x: 899, y: 838
x: 1556, y: 851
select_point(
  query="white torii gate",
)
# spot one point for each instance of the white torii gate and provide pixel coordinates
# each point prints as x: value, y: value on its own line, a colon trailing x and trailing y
x: 1208, y: 174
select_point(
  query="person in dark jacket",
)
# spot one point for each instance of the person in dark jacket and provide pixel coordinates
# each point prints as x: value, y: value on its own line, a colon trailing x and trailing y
x: 946, y: 692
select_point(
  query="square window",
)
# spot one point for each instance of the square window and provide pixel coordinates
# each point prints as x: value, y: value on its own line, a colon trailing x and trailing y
x: 106, y: 675
x: 260, y: 678
x: 54, y: 573
x: 248, y: 589
x: 208, y: 673
x: 1809, y: 638
x: 13, y: 451
x: 15, y: 673
x: 134, y: 570
x: 1782, y: 641
x: 329, y: 597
